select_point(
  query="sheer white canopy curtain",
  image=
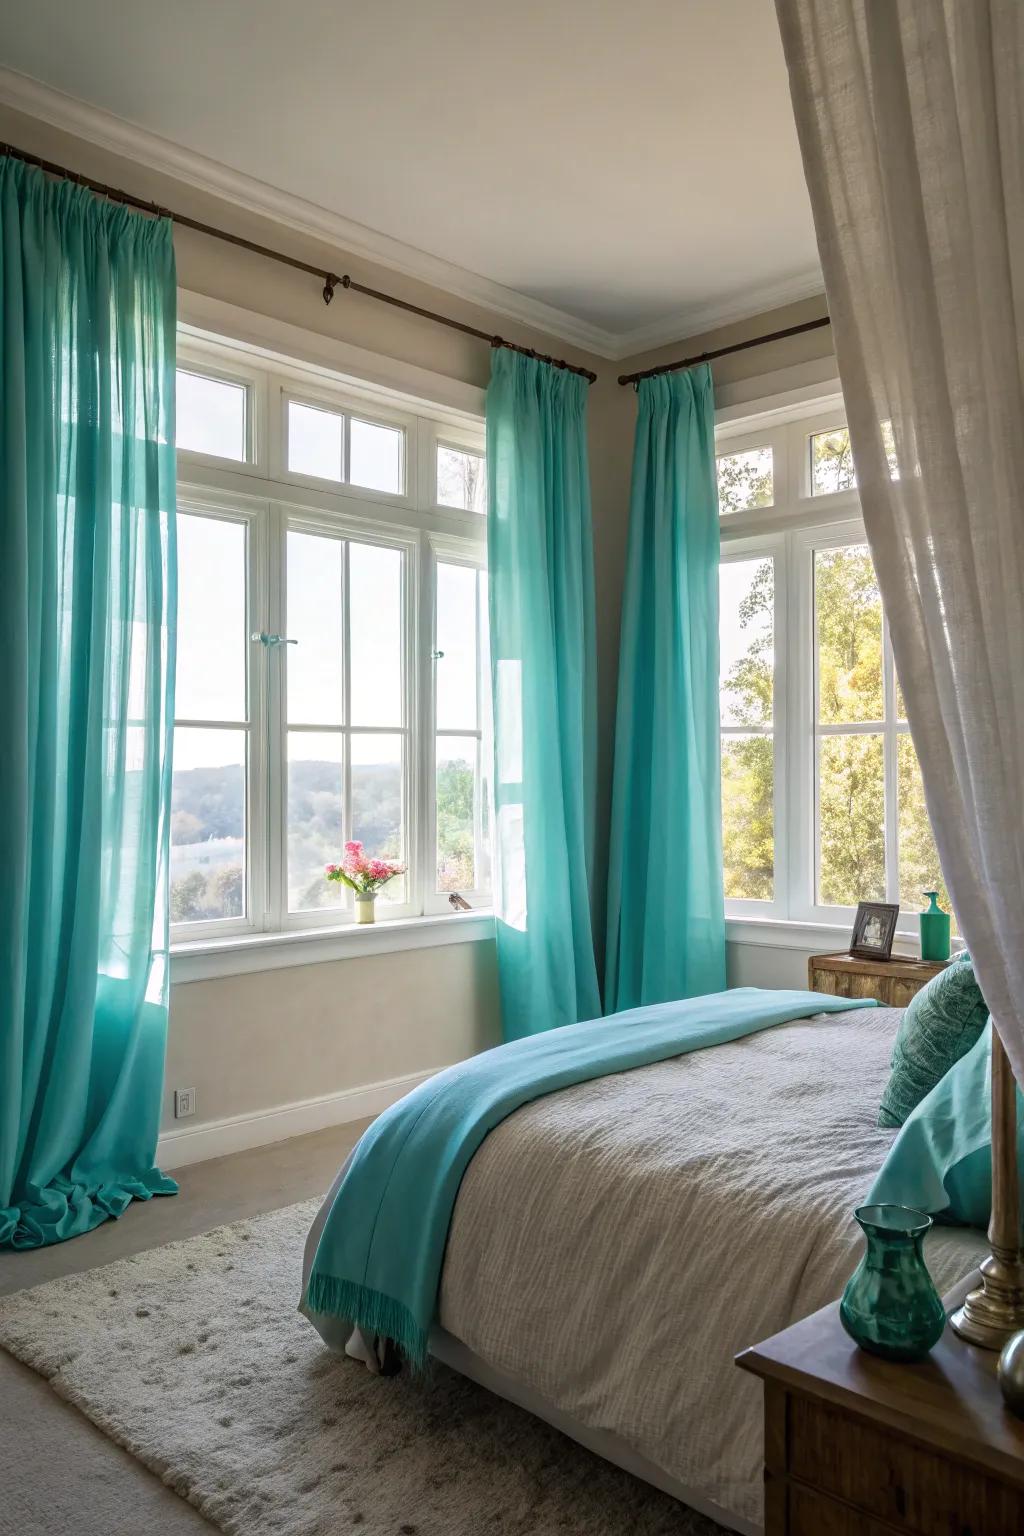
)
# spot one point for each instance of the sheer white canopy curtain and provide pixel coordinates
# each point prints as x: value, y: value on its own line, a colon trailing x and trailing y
x: 909, y: 114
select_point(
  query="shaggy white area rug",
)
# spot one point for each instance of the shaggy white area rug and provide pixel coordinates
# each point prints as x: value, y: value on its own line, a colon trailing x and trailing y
x: 194, y: 1358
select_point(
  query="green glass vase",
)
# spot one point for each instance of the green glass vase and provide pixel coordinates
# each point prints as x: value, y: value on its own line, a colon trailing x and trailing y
x: 890, y: 1306
x: 934, y: 930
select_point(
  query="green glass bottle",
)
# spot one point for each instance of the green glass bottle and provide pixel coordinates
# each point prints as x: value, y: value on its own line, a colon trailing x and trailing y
x: 890, y: 1306
x: 934, y: 930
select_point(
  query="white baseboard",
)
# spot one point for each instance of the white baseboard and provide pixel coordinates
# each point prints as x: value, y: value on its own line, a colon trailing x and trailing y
x: 238, y: 1133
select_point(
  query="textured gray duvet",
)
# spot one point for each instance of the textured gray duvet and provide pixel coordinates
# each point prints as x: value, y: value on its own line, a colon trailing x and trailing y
x: 614, y: 1245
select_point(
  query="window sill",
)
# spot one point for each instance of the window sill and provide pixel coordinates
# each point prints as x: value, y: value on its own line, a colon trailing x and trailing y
x: 207, y: 958
x: 812, y: 938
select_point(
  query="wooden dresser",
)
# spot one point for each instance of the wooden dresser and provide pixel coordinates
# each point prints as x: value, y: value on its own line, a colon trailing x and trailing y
x: 893, y: 982
x: 856, y: 1446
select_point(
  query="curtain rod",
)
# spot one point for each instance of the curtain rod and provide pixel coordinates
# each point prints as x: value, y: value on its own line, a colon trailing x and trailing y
x: 737, y: 346
x: 331, y: 280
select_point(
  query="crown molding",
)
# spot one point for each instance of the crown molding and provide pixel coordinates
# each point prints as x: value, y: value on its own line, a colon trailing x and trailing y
x: 116, y: 134
x: 698, y: 319
x: 120, y: 137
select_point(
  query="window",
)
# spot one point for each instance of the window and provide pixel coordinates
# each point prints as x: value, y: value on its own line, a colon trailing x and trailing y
x: 315, y: 441
x: 462, y: 841
x: 211, y: 415
x: 747, y: 602
x: 461, y: 479
x: 211, y: 729
x: 745, y: 479
x: 326, y: 444
x: 832, y: 460
x: 345, y: 711
x: 376, y: 455
x: 831, y: 463
x: 332, y: 657
x: 822, y: 800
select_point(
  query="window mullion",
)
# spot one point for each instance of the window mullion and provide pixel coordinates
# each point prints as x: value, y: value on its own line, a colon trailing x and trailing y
x: 346, y: 707
x: 427, y: 716
x: 273, y: 736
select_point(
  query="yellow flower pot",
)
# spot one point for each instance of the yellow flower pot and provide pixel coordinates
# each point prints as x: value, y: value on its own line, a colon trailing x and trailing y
x: 365, y: 904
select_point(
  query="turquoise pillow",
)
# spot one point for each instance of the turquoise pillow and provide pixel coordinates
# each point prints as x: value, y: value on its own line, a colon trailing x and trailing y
x: 942, y: 1023
x: 941, y: 1161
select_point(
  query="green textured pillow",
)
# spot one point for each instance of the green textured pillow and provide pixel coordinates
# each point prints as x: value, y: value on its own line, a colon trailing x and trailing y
x: 941, y: 1024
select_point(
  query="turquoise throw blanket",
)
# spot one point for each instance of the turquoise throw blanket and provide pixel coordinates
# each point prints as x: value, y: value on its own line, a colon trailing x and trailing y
x: 379, y: 1259
x: 941, y: 1162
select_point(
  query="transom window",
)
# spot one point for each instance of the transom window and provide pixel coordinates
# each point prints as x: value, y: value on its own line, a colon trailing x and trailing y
x: 332, y: 652
x: 822, y: 799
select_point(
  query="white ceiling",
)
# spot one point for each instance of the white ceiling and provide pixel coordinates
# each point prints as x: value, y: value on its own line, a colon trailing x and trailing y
x: 631, y: 166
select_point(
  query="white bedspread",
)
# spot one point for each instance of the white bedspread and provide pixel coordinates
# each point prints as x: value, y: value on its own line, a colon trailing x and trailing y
x: 614, y: 1245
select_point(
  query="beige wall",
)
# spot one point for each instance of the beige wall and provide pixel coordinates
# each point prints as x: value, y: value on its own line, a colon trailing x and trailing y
x: 255, y: 1042
x: 247, y: 1043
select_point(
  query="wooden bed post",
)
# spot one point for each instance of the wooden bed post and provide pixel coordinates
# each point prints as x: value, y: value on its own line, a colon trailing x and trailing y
x: 995, y: 1311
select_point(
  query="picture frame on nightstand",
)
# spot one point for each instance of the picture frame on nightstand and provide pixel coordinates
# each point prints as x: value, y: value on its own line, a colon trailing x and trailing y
x: 874, y: 928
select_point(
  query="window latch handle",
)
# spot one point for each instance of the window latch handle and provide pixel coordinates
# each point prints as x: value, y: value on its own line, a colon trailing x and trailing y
x: 436, y: 655
x: 271, y: 640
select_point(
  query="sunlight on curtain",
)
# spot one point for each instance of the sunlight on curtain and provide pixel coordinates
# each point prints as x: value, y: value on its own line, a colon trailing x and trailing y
x: 87, y: 337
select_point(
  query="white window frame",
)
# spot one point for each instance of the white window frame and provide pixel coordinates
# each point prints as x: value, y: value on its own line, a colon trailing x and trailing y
x: 441, y: 548
x: 772, y: 546
x: 264, y: 495
x: 348, y: 407
x: 214, y: 364
x: 435, y: 436
x: 790, y: 529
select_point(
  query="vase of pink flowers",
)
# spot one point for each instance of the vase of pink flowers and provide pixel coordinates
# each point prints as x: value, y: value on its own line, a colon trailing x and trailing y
x: 364, y: 877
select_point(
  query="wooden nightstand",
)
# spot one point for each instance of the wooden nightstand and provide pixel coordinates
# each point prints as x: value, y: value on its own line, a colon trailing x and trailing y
x: 856, y: 1446
x: 893, y: 982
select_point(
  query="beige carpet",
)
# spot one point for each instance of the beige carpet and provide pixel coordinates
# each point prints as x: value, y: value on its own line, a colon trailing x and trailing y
x: 193, y: 1357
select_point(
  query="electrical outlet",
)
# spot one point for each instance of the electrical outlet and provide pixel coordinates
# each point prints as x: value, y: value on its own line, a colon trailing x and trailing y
x: 184, y: 1102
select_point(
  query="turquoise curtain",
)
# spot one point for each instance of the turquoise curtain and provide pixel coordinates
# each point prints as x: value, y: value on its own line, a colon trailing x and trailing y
x: 542, y: 639
x: 87, y: 558
x: 666, y: 925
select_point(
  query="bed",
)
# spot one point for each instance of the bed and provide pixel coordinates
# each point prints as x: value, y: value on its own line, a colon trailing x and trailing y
x: 615, y: 1244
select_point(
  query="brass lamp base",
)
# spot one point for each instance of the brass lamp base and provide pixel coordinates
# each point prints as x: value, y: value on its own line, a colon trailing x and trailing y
x: 993, y: 1313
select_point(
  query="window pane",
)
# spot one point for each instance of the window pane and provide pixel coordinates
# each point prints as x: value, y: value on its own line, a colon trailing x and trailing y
x: 455, y: 636
x: 210, y: 682
x: 832, y: 462
x: 375, y: 634
x: 747, y: 641
x: 851, y: 811
x: 377, y: 819
x: 315, y: 439
x: 375, y: 455
x: 210, y: 415
x: 745, y: 480
x: 748, y: 817
x: 315, y: 829
x: 919, y: 859
x: 208, y: 825
x: 314, y: 620
x: 461, y: 479
x: 462, y: 863
x: 848, y: 624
